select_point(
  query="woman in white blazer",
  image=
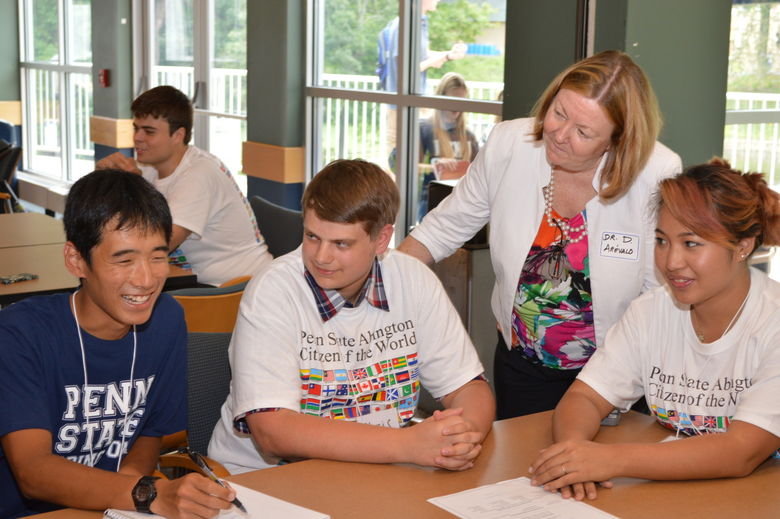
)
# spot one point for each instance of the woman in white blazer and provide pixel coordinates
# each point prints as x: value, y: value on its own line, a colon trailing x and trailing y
x: 566, y: 194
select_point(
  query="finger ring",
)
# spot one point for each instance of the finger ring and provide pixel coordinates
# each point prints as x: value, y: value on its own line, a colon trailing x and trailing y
x: 563, y: 467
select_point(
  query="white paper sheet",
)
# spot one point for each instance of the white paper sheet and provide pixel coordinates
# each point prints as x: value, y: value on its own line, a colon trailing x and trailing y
x: 258, y: 505
x: 515, y: 499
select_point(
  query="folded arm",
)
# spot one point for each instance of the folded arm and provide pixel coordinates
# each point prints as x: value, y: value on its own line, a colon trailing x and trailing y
x: 443, y: 441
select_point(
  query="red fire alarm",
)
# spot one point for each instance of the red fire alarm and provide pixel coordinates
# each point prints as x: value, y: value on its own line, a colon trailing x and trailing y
x: 104, y: 78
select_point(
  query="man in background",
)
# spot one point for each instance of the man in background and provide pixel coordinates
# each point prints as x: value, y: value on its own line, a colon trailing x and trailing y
x: 214, y: 229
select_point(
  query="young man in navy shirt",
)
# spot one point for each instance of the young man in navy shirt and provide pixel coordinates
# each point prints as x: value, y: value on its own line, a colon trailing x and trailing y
x: 92, y: 380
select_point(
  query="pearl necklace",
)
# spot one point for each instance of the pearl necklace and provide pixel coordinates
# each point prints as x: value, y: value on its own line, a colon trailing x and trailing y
x: 566, y: 229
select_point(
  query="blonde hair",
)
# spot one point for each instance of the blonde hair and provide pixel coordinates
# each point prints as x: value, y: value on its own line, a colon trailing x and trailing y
x: 618, y: 84
x: 450, y: 81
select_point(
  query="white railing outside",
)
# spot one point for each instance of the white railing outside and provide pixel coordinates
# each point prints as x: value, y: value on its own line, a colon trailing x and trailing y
x: 359, y: 129
x: 752, y: 133
x: 45, y: 154
x: 353, y: 129
x: 227, y: 90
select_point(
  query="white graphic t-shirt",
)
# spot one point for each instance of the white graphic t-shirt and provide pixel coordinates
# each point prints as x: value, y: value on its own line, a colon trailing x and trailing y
x: 691, y: 387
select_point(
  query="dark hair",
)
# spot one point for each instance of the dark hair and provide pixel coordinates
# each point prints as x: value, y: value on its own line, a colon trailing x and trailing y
x: 168, y: 103
x: 723, y: 205
x: 353, y: 191
x: 106, y: 196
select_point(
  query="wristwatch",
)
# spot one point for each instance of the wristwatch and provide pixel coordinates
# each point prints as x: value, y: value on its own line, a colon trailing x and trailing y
x: 144, y: 493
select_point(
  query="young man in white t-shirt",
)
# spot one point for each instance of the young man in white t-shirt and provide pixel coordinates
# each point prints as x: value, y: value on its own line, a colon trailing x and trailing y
x: 334, y: 340
x: 214, y: 228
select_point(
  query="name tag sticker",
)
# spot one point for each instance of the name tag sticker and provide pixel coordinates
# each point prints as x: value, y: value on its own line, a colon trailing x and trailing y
x: 619, y: 245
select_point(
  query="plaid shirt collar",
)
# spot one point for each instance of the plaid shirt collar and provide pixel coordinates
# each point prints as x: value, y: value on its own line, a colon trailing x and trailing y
x: 329, y: 302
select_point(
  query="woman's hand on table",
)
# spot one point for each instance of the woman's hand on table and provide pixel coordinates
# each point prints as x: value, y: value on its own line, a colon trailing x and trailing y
x: 575, y: 468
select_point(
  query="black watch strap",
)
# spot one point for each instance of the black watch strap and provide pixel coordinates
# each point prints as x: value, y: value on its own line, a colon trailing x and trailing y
x: 144, y: 493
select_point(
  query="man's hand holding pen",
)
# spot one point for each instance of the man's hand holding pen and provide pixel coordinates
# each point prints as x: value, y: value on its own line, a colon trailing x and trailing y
x: 191, y: 496
x: 201, y: 462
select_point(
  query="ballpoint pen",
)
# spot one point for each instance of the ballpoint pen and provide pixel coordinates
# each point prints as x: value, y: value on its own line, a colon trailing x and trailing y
x: 198, y: 459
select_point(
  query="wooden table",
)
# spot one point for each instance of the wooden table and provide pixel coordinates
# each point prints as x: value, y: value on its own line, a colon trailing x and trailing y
x: 48, y: 263
x: 22, y: 229
x: 356, y: 490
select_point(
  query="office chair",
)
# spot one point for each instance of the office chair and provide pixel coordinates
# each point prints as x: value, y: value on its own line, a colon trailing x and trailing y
x: 211, y: 310
x: 282, y: 228
x: 208, y: 386
x: 8, y: 133
x: 9, y: 159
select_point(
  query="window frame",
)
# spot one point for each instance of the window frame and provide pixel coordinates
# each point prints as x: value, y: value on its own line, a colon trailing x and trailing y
x: 143, y: 45
x: 63, y: 70
x: 407, y: 103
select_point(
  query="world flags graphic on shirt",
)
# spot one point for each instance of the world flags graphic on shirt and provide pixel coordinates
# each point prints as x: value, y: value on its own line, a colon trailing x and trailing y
x: 348, y: 393
x: 690, y: 424
x: 407, y: 402
x: 399, y: 362
x: 402, y: 376
x: 310, y: 405
x: 341, y: 402
x: 374, y: 369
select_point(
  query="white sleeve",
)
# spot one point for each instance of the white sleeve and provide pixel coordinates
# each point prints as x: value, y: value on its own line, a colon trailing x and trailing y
x: 462, y: 214
x: 194, y: 198
x: 614, y: 371
x: 266, y: 371
x: 759, y: 404
x: 448, y: 359
x: 664, y: 163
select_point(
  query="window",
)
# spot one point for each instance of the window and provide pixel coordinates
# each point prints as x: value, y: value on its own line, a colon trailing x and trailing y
x: 56, y: 66
x: 373, y: 85
x: 199, y: 47
x: 752, y: 133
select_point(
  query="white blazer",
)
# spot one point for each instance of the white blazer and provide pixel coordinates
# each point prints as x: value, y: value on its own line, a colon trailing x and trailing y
x: 504, y: 187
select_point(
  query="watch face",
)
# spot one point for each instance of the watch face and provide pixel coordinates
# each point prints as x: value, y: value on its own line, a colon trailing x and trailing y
x: 144, y: 493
